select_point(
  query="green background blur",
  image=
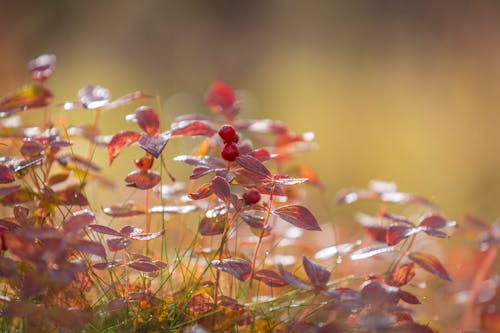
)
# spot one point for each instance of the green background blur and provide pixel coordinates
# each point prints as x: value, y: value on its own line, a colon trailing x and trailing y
x: 404, y: 90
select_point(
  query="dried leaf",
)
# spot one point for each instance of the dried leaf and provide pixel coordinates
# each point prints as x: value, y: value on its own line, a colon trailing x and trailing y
x: 237, y: 267
x: 318, y: 275
x: 299, y: 216
x: 153, y: 144
x: 143, y: 180
x: 270, y: 278
x: 430, y: 263
x: 119, y: 141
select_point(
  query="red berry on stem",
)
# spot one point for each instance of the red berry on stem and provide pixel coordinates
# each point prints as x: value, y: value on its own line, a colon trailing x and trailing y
x: 251, y: 197
x: 230, y: 152
x: 228, y: 133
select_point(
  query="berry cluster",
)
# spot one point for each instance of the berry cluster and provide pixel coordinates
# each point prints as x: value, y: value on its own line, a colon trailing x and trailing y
x: 230, y: 138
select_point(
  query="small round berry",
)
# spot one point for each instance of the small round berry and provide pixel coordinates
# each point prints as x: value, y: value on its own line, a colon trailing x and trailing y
x: 230, y: 152
x: 251, y: 197
x: 228, y: 133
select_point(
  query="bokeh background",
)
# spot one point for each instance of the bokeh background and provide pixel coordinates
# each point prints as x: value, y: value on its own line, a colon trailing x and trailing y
x: 402, y: 91
x: 393, y: 90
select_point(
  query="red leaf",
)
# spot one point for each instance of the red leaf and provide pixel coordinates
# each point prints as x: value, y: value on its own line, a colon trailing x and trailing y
x: 239, y: 268
x: 6, y: 174
x: 9, y: 190
x: 370, y: 251
x: 73, y: 197
x: 129, y: 230
x: 28, y: 97
x: 174, y: 209
x: 202, y: 192
x: 31, y: 148
x: 430, y: 264
x: 143, y: 180
x: 436, y: 233
x: 220, y: 95
x: 153, y: 144
x: 127, y: 210
x: 143, y: 266
x: 376, y: 292
x: 270, y: 278
x: 119, y: 141
x: 147, y: 119
x: 42, y: 67
x: 102, y: 229
x: 94, y: 97
x: 253, y: 165
x: 210, y: 226
x: 408, y: 297
x: 147, y: 236
x: 287, y: 181
x: 117, y: 244
x: 74, y: 161
x: 292, y: 280
x: 90, y: 247
x: 434, y: 221
x: 192, y: 128
x: 126, y: 99
x: 396, y: 233
x: 318, y: 275
x: 299, y: 216
x: 403, y: 275
x: 78, y: 220
x: 220, y: 187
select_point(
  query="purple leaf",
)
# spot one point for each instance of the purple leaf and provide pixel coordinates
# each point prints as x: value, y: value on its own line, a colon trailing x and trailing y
x: 430, y: 263
x: 299, y: 216
x: 42, y: 67
x: 317, y: 274
x: 102, y: 229
x: 253, y: 165
x: 220, y: 187
x: 117, y: 244
x: 239, y: 268
x: 270, y: 278
x: 78, y: 221
x: 143, y: 180
x: 153, y: 144
x: 143, y: 266
x: 292, y: 280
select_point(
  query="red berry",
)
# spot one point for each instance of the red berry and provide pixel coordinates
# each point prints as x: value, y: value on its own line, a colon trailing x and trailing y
x: 230, y: 152
x: 251, y: 197
x: 228, y: 134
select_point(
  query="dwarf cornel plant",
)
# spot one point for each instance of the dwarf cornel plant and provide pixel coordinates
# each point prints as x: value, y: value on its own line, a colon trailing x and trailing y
x: 66, y: 266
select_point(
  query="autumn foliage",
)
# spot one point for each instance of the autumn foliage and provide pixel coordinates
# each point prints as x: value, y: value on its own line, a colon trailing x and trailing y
x: 67, y: 264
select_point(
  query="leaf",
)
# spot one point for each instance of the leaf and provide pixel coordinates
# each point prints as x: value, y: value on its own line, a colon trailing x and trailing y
x: 350, y: 196
x: 20, y: 309
x: 396, y: 233
x: 119, y: 141
x: 143, y: 180
x: 436, y: 233
x: 292, y: 280
x: 8, y: 267
x: 270, y: 278
x: 430, y: 263
x: 107, y: 265
x: 130, y: 230
x: 408, y: 297
x: 42, y: 67
x: 403, y: 275
x: 186, y: 209
x: 299, y: 216
x: 434, y: 221
x: 94, y: 96
x: 31, y: 148
x: 117, y: 244
x: 153, y: 144
x: 24, y: 164
x: 78, y: 221
x: 73, y: 197
x: 202, y: 192
x: 192, y: 128
x: 147, y: 236
x: 318, y: 275
x: 9, y: 190
x: 147, y: 119
x: 28, y: 97
x: 288, y: 181
x: 75, y: 162
x: 253, y: 165
x: 331, y: 251
x: 220, y: 187
x: 370, y: 251
x: 102, y: 229
x: 90, y: 247
x: 211, y: 226
x: 237, y: 267
x: 128, y: 209
x: 220, y: 96
x: 126, y: 99
x: 6, y: 174
x: 143, y: 266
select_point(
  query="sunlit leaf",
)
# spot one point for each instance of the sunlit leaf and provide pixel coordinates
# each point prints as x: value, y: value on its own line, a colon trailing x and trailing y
x: 31, y: 148
x: 21, y: 166
x: 299, y: 216
x: 128, y: 209
x: 143, y: 266
x: 78, y: 220
x: 408, y: 297
x: 292, y: 280
x: 253, y: 165
x: 435, y: 221
x: 396, y: 233
x: 318, y: 275
x: 331, y: 251
x: 153, y: 144
x: 430, y: 264
x: 42, y: 67
x: 28, y: 97
x: 270, y: 278
x: 370, y: 251
x: 202, y: 192
x: 107, y: 265
x: 147, y: 119
x: 117, y: 244
x: 119, y: 141
x: 6, y: 174
x: 237, y: 267
x: 102, y: 229
x: 126, y: 99
x: 73, y: 197
x: 211, y: 226
x: 186, y: 209
x: 94, y: 96
x: 90, y: 247
x: 220, y: 187
x: 147, y: 236
x: 403, y: 275
x: 192, y: 128
x: 143, y: 180
x: 288, y: 181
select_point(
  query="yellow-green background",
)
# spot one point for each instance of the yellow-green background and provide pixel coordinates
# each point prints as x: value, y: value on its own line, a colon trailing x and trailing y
x: 402, y: 90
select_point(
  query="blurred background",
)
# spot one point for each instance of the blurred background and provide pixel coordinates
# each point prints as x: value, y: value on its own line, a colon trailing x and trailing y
x: 400, y: 91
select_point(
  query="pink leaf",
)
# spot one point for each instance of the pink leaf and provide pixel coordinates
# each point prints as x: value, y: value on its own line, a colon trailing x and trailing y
x: 42, y: 67
x: 299, y: 216
x: 91, y: 247
x: 6, y: 174
x: 147, y: 236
